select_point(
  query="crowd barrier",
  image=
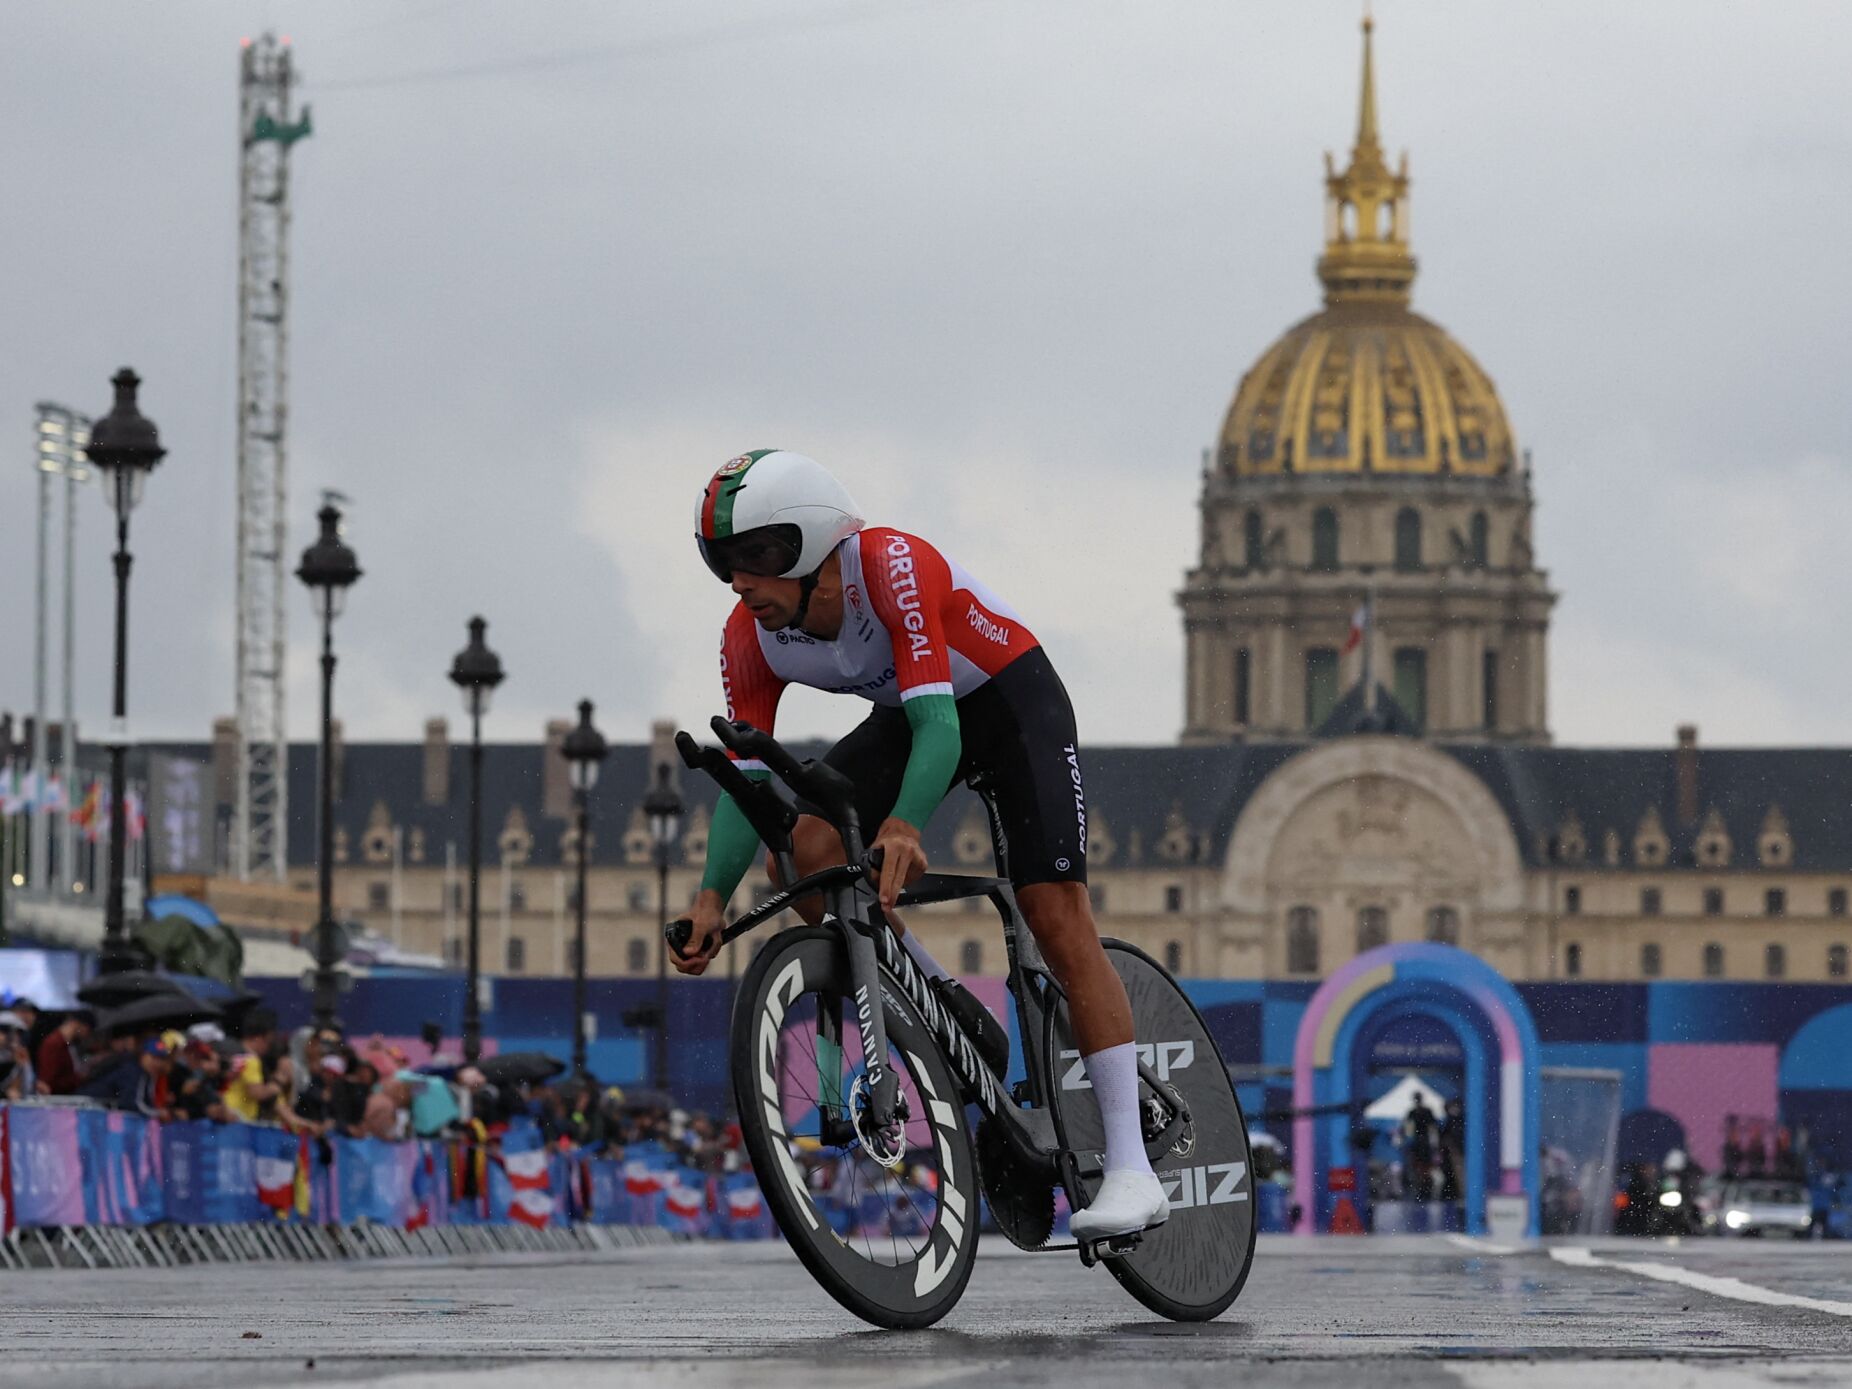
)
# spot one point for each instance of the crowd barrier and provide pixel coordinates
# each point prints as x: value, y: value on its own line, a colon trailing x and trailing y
x: 71, y: 1168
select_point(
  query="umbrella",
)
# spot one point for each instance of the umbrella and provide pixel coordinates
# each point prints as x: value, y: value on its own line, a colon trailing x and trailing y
x: 157, y: 1011
x: 113, y: 990
x: 519, y: 1067
x: 641, y: 1098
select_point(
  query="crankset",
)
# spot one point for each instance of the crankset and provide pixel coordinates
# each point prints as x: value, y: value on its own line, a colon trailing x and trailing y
x: 1021, y: 1194
x: 1112, y: 1247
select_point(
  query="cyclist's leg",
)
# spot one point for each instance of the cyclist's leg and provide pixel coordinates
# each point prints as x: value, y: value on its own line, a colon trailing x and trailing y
x: 1033, y: 753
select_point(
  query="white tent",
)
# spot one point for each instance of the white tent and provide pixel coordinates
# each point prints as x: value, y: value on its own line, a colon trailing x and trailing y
x: 1393, y: 1107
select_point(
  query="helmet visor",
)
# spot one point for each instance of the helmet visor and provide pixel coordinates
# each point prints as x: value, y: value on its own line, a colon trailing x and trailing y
x: 768, y: 551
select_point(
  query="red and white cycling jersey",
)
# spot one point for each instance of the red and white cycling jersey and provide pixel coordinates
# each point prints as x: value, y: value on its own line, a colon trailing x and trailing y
x: 913, y: 624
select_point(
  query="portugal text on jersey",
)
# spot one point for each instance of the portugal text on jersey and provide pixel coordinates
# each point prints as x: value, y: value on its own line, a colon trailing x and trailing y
x: 913, y: 624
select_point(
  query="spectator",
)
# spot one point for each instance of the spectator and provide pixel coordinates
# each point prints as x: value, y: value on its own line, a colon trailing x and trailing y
x: 18, y: 1081
x: 250, y: 1094
x: 194, y: 1083
x: 385, y: 1113
x: 434, y: 1106
x: 348, y: 1107
x: 60, y: 1072
x: 126, y: 1079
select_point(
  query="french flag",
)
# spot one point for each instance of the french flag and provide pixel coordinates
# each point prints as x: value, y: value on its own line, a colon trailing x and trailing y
x: 744, y: 1204
x: 527, y: 1174
x: 686, y: 1202
x: 276, y: 1181
x: 640, y: 1179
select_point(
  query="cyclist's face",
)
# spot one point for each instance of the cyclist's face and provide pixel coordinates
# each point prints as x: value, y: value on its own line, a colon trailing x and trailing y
x: 771, y: 601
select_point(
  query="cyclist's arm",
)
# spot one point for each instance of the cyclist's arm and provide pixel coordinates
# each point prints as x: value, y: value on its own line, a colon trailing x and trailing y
x: 752, y: 690
x: 909, y: 584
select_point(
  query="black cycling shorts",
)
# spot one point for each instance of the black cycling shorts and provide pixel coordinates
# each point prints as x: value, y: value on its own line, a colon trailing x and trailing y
x: 1018, y: 731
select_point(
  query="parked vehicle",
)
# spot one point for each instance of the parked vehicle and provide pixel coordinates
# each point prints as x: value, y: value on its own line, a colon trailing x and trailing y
x: 1765, y: 1207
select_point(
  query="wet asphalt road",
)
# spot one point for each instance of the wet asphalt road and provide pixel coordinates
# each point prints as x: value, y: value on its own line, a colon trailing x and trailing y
x: 1428, y: 1312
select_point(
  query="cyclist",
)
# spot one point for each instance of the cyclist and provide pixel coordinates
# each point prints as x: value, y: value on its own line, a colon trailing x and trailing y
x: 959, y: 685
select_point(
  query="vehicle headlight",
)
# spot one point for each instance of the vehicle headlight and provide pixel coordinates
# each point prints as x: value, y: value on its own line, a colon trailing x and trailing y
x: 1736, y: 1219
x: 1671, y: 1200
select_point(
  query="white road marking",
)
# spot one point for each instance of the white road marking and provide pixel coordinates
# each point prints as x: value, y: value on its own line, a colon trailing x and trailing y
x: 1646, y: 1374
x: 1482, y: 1246
x: 1733, y: 1288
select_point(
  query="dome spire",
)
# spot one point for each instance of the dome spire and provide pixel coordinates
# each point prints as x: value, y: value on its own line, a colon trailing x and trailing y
x: 1366, y: 211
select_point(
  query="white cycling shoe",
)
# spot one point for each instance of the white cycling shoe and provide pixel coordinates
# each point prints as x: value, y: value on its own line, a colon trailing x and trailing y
x: 1125, y: 1203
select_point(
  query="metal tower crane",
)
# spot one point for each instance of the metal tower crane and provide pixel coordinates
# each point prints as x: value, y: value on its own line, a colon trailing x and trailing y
x: 267, y: 128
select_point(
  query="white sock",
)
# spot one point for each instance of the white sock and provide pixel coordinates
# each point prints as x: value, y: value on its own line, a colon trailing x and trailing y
x: 1114, y: 1073
x: 928, y: 966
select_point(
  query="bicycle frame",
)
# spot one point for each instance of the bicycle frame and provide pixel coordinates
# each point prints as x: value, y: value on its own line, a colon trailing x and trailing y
x: 849, y: 896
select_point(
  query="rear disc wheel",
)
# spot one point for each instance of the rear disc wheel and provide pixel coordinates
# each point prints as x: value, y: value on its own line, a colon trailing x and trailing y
x: 1192, y: 1267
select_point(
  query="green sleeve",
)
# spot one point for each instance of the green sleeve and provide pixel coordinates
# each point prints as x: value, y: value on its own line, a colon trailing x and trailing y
x: 732, y: 844
x: 933, y: 761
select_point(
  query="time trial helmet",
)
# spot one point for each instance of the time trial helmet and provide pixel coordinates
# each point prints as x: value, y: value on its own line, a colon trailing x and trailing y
x: 775, y: 513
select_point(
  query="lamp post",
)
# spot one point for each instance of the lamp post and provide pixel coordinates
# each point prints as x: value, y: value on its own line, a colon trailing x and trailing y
x: 328, y: 569
x: 662, y: 808
x: 125, y: 446
x: 476, y: 671
x: 584, y: 749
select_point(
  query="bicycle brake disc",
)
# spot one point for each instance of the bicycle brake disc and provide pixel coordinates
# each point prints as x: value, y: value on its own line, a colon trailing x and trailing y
x: 1021, y: 1197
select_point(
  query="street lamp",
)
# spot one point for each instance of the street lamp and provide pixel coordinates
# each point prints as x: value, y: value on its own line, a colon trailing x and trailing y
x: 584, y: 748
x: 328, y: 570
x: 476, y: 671
x: 662, y: 808
x: 125, y: 446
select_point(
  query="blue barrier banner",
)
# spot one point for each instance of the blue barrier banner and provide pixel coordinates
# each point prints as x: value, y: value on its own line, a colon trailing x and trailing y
x: 230, y: 1179
x: 183, y: 1169
x: 608, y: 1200
x: 122, y: 1168
x: 48, y: 1185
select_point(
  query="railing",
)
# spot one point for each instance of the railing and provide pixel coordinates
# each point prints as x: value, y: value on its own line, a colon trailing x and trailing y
x: 82, y: 1185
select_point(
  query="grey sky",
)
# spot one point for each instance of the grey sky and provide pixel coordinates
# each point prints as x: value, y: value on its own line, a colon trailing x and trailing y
x: 999, y: 262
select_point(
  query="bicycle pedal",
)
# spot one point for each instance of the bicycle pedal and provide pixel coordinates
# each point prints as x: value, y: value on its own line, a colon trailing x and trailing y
x: 1112, y: 1247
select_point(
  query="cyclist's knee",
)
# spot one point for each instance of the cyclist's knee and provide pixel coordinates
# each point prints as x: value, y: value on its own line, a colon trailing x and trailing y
x: 814, y: 845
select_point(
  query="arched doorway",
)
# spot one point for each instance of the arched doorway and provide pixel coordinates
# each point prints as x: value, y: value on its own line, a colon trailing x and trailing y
x: 1500, y: 1091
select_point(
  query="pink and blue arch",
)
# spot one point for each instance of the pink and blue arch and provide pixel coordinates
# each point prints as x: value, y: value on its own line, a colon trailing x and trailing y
x: 1502, y: 1091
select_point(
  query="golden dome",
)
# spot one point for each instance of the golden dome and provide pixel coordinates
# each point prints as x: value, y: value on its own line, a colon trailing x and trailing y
x: 1367, y: 385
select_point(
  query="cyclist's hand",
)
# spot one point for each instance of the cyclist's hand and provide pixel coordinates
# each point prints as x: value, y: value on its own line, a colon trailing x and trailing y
x: 709, y: 918
x: 897, y: 848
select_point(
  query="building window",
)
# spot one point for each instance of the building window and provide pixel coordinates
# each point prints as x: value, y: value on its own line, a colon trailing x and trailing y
x: 1254, y: 540
x: 1321, y: 684
x: 1302, y: 940
x: 1650, y: 901
x: 1713, y: 901
x: 456, y: 897
x: 379, y: 896
x: 1775, y: 961
x: 971, y: 957
x: 636, y: 955
x: 1411, y: 683
x: 1488, y: 691
x: 1173, y: 898
x: 572, y: 955
x: 1480, y: 530
x: 1836, y: 902
x: 1173, y: 955
x: 453, y: 952
x: 1836, y: 961
x: 1096, y: 895
x: 1372, y: 928
x: 1244, y: 679
x: 1325, y: 539
x: 517, y: 954
x: 1713, y: 961
x: 517, y: 897
x: 1650, y: 961
x: 572, y: 897
x: 637, y: 896
x: 1775, y: 902
x: 1443, y: 926
x: 1408, y: 540
x: 1572, y: 901
x: 1572, y: 961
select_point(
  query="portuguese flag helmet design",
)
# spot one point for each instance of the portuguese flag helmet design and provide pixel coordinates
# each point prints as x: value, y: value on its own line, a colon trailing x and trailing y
x: 775, y: 513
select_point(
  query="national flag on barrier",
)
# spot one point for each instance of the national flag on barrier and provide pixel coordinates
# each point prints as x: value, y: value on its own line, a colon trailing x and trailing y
x: 640, y: 1179
x: 524, y: 1159
x: 685, y: 1202
x: 273, y: 1164
x: 745, y: 1204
